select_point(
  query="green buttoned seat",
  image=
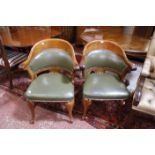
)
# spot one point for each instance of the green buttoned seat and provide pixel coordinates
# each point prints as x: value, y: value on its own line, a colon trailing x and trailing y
x: 50, y: 65
x: 104, y: 86
x: 104, y: 66
x: 51, y: 86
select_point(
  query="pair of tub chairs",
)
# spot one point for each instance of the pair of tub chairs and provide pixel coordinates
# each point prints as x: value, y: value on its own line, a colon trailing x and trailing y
x: 52, y: 64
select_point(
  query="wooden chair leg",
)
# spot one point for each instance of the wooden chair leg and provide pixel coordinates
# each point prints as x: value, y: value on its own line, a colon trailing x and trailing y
x: 10, y: 79
x: 128, y: 104
x: 128, y: 108
x: 86, y: 104
x: 32, y: 106
x: 69, y: 107
x: 122, y: 102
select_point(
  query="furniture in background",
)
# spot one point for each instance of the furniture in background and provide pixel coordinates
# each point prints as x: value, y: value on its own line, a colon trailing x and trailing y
x: 50, y: 65
x: 24, y: 37
x: 149, y: 64
x: 69, y: 33
x: 134, y: 46
x: 144, y: 97
x: 105, y: 66
x: 4, y: 62
x: 9, y: 59
x: 17, y: 41
x: 144, y: 31
x: 110, y: 29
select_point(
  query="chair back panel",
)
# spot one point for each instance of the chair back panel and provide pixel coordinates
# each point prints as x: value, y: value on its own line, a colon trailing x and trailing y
x: 105, y: 54
x: 104, y: 58
x: 52, y: 57
x: 55, y: 53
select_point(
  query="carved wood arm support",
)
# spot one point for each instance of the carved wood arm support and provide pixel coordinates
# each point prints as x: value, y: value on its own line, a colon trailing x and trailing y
x: 78, y: 75
x: 124, y: 79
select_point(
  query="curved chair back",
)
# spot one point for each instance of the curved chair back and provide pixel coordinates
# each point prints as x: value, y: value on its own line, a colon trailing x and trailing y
x: 50, y: 54
x: 105, y: 55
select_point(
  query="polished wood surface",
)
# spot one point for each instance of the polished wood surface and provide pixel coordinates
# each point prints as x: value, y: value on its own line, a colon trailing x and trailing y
x: 26, y: 36
x: 144, y: 31
x: 129, y: 43
x: 81, y: 29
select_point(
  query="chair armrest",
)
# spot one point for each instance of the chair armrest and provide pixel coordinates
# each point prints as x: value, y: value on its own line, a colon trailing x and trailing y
x: 78, y: 81
x: 78, y: 78
x: 78, y: 75
x: 76, y: 68
x: 133, y: 78
x: 126, y: 82
x: 125, y: 79
x: 134, y: 67
x: 82, y: 67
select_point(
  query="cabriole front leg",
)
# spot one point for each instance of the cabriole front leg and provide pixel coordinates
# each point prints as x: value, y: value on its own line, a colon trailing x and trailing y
x: 31, y: 106
x: 86, y: 103
x: 69, y: 107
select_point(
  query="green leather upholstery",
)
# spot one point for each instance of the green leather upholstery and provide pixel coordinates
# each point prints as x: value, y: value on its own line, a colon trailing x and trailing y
x: 104, y: 58
x: 51, y: 57
x: 50, y: 87
x: 104, y: 86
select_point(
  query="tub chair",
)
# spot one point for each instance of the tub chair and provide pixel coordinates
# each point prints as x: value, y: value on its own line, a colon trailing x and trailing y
x: 104, y: 65
x: 50, y: 65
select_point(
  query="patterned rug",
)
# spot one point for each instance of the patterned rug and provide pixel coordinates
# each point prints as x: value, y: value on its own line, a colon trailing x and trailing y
x: 14, y: 114
x: 101, y: 115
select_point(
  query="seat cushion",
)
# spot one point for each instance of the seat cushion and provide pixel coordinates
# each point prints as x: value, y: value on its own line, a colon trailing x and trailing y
x: 104, y: 86
x: 50, y: 87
